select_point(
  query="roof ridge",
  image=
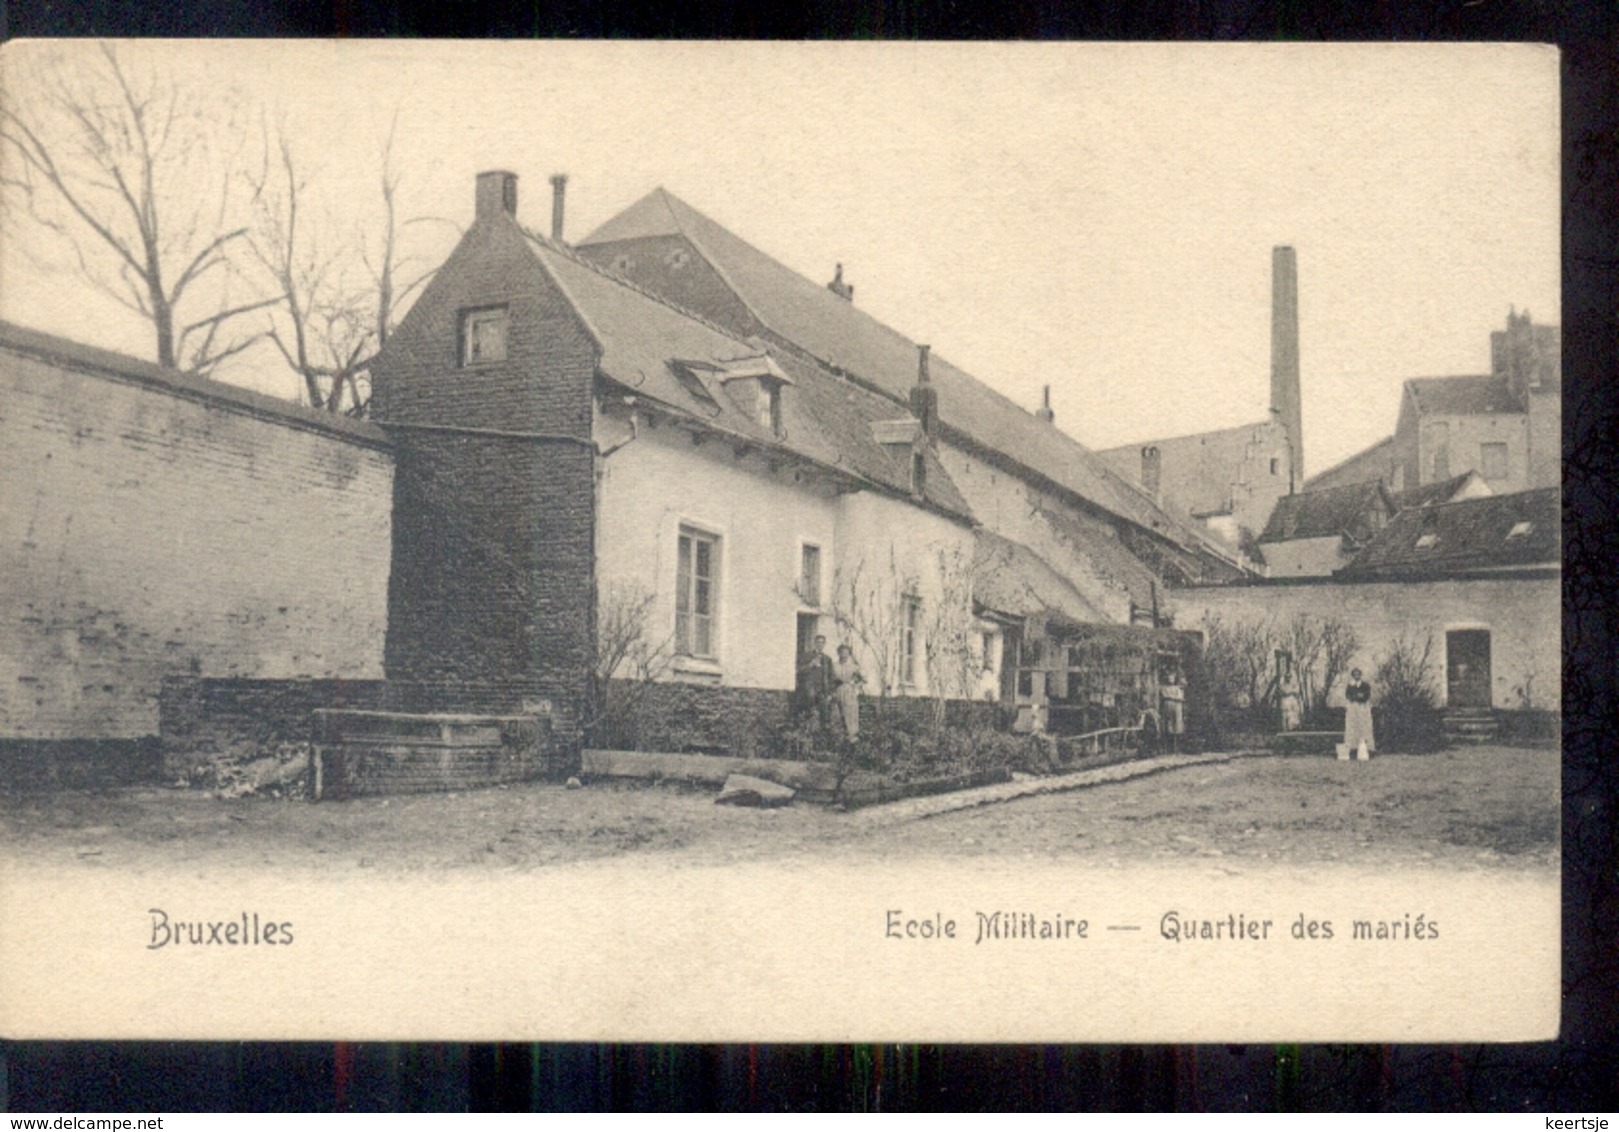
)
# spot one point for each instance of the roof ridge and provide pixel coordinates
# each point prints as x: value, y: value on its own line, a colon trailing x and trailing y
x: 613, y: 277
x: 1180, y: 436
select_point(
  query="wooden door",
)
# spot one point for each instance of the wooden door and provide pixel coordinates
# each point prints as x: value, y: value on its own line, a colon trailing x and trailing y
x: 1467, y: 668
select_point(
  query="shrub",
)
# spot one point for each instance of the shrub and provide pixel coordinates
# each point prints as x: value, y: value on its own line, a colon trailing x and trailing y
x: 1409, y: 718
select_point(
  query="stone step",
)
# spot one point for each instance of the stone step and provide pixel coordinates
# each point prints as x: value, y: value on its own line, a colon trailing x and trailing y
x: 1471, y: 725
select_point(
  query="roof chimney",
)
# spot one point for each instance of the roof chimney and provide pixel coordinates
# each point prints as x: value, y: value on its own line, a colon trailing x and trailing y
x: 1284, y: 357
x: 1044, y: 411
x: 838, y: 287
x: 559, y: 194
x: 924, y: 398
x: 497, y: 193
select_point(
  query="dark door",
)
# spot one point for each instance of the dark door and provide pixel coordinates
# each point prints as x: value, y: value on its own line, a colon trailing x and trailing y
x: 1467, y: 668
x: 808, y: 627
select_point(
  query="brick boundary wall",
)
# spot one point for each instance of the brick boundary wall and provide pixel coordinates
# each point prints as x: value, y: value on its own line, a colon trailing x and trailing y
x: 157, y: 524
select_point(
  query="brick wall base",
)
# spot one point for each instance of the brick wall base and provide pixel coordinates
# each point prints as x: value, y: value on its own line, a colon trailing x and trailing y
x: 750, y: 723
x: 208, y: 725
x: 52, y: 764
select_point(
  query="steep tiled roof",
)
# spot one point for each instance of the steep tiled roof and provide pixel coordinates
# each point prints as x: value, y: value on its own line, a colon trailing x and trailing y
x: 644, y: 338
x: 843, y: 336
x: 1492, y: 534
x: 1325, y: 513
x: 1462, y: 396
x: 1429, y: 494
x: 1010, y: 578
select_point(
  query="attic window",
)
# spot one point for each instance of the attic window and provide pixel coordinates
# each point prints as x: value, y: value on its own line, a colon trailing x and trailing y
x: 770, y: 406
x: 676, y: 259
x: 483, y: 336
x: 1520, y: 529
x: 1427, y: 541
x: 621, y: 264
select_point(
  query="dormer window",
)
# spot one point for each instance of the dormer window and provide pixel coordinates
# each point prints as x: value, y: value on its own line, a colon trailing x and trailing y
x: 1520, y: 529
x: 483, y: 336
x: 755, y: 384
x: 1427, y: 541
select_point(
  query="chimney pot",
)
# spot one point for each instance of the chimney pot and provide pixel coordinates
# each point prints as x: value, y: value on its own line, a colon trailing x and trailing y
x: 839, y: 288
x: 1044, y: 412
x: 925, y: 398
x: 559, y: 195
x: 496, y: 195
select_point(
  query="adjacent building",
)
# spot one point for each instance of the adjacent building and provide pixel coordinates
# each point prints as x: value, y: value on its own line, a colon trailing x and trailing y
x: 1506, y: 425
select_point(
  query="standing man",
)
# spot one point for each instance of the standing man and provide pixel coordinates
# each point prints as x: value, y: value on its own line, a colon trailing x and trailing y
x: 813, y: 687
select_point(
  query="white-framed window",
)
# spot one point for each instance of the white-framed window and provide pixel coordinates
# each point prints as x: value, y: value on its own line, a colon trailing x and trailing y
x: 809, y: 574
x: 696, y: 593
x: 483, y: 336
x: 1492, y: 460
x: 910, y: 622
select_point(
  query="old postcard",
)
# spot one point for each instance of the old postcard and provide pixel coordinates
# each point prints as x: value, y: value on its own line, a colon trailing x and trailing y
x: 907, y: 542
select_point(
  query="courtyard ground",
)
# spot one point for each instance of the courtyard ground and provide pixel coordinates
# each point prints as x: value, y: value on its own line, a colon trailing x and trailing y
x: 1471, y: 808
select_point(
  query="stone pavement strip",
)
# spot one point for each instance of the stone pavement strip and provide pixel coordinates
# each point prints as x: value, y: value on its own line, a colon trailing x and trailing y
x: 912, y: 809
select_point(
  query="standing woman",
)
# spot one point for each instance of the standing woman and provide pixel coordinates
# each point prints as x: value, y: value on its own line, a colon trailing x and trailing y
x: 847, y: 678
x: 1358, y: 715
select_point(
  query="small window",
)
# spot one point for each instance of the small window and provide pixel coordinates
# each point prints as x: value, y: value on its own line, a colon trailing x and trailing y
x: 696, y: 593
x: 1441, y: 466
x: 1275, y: 466
x: 809, y: 575
x: 1427, y: 541
x: 1492, y: 461
x: 1520, y: 529
x: 483, y: 336
x: 770, y: 406
x: 910, y: 621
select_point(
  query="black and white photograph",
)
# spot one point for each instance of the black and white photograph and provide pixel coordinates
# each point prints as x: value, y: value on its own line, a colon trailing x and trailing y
x: 700, y: 542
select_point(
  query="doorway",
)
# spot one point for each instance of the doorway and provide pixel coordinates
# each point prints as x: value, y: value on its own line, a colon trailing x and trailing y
x: 808, y: 629
x: 1467, y: 668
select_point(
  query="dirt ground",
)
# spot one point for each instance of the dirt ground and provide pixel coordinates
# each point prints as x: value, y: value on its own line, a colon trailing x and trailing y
x: 1474, y: 808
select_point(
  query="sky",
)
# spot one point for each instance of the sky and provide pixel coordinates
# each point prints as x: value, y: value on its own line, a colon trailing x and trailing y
x: 1098, y: 218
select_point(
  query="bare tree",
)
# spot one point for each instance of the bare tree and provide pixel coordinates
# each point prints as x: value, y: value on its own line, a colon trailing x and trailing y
x: 869, y: 605
x: 953, y: 644
x: 328, y: 319
x: 628, y: 660
x: 132, y: 176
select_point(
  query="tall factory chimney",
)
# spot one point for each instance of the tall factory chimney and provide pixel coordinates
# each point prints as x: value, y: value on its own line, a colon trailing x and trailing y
x: 1284, y: 358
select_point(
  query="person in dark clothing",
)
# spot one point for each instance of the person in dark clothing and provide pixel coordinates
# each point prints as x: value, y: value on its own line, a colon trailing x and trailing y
x: 1358, y: 715
x: 813, y: 687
